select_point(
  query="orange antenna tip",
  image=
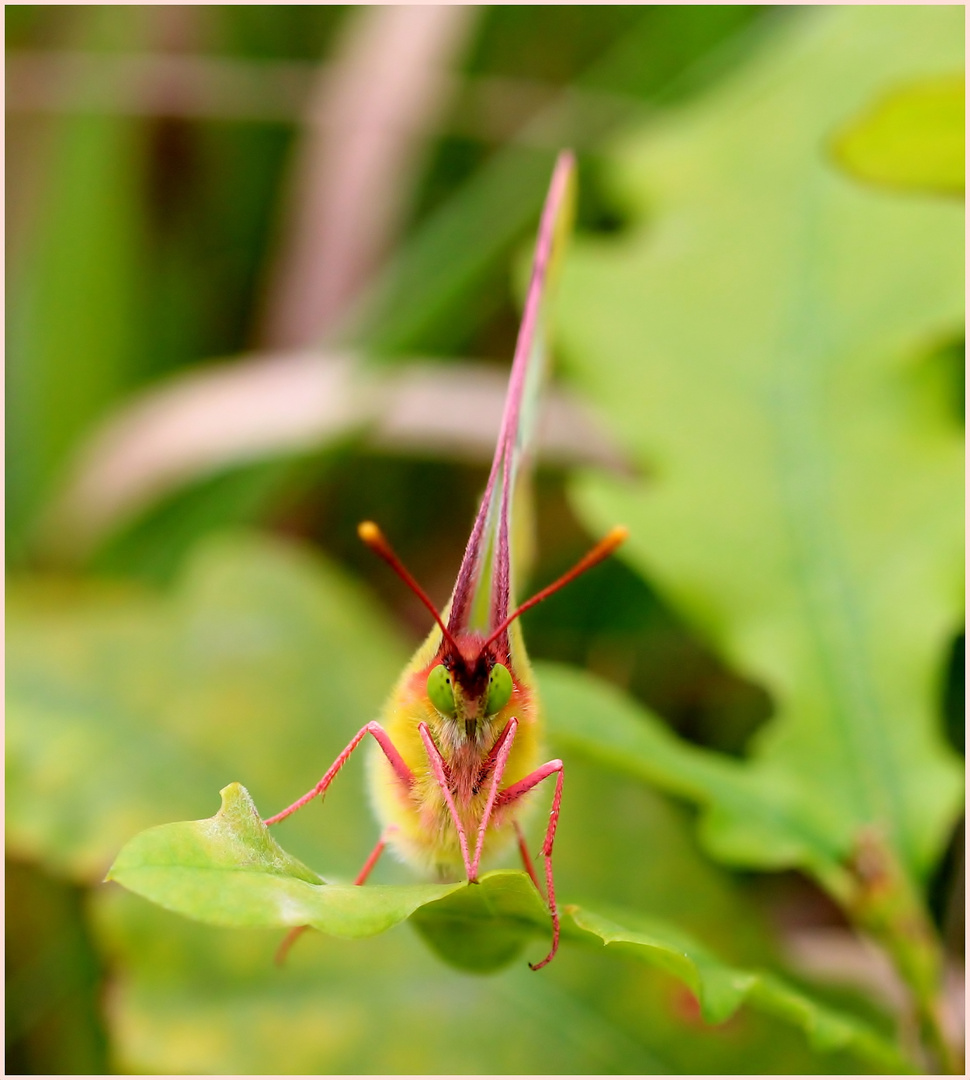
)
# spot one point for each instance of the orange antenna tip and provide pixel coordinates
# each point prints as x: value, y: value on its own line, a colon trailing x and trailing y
x: 371, y: 534
x: 615, y: 537
x: 595, y: 555
x: 377, y: 542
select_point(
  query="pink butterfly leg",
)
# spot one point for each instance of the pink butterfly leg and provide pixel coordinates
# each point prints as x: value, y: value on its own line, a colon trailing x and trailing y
x: 498, y: 758
x: 287, y: 943
x: 516, y: 791
x: 502, y: 749
x: 438, y: 767
x: 526, y: 857
x: 404, y: 774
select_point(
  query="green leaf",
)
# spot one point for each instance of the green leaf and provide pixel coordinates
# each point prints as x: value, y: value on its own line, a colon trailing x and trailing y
x: 484, y: 928
x: 591, y: 715
x: 757, y: 338
x: 195, y: 999
x: 721, y: 989
x: 228, y: 871
x: 911, y: 138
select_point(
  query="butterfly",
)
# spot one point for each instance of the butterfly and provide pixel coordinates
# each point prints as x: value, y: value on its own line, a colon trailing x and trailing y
x: 456, y: 756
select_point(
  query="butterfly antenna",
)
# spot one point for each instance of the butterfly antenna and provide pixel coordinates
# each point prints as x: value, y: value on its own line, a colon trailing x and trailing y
x: 377, y: 542
x: 597, y: 554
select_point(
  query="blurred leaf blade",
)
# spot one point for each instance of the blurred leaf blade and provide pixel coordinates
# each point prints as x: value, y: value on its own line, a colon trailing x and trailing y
x: 125, y: 704
x: 773, y: 532
x: 607, y: 726
x: 722, y: 989
x: 911, y: 139
x: 76, y: 305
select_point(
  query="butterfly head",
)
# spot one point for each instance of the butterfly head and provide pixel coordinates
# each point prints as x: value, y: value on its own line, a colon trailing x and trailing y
x: 472, y: 677
x: 467, y: 682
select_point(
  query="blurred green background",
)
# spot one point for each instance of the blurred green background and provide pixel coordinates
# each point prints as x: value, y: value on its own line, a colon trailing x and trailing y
x: 238, y: 239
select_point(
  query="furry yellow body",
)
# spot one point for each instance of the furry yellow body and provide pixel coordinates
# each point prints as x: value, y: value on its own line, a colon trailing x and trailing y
x: 417, y: 822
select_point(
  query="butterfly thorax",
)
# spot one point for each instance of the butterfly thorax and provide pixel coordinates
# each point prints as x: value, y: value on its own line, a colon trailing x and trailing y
x: 466, y: 734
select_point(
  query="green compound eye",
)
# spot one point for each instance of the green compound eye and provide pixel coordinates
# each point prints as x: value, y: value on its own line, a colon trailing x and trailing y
x: 499, y: 689
x: 440, y: 690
